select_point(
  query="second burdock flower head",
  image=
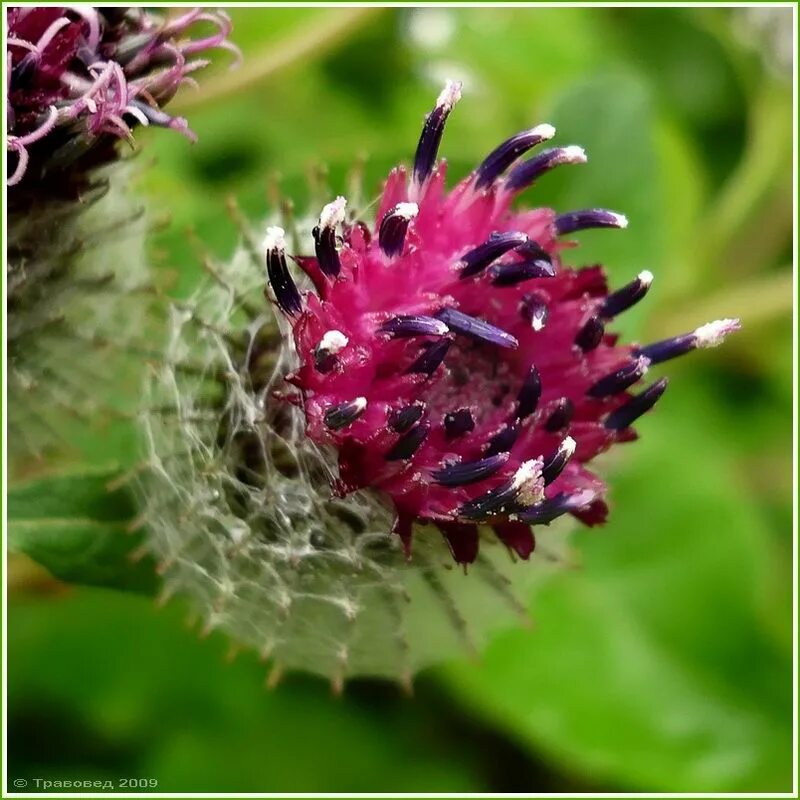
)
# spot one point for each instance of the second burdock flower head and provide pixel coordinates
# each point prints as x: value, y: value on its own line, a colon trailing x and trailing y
x: 457, y: 365
x: 81, y: 77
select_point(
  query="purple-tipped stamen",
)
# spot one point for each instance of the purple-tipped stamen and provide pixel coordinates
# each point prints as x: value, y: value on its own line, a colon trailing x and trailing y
x: 591, y: 334
x: 524, y: 489
x: 403, y: 327
x: 325, y: 237
x: 476, y: 328
x: 639, y: 404
x: 554, y: 464
x: 620, y: 379
x: 710, y: 335
x: 431, y: 358
x: 589, y: 218
x: 548, y: 510
x: 519, y: 271
x: 345, y: 414
x: 432, y: 130
x: 503, y: 441
x: 404, y: 419
x: 534, y: 309
x: 409, y: 443
x: 502, y: 157
x: 529, y: 394
x: 393, y: 227
x: 527, y: 173
x: 286, y: 294
x: 457, y: 423
x: 469, y: 471
x: 627, y: 296
x: 561, y: 415
x: 498, y: 244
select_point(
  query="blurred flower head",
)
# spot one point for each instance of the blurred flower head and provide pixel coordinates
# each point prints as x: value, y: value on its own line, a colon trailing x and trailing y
x: 82, y: 77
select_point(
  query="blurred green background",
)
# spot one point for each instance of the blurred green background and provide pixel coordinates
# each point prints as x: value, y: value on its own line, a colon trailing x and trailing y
x: 662, y: 663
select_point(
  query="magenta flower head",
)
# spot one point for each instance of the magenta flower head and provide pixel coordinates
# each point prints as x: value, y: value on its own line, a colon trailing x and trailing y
x: 82, y: 77
x: 458, y: 366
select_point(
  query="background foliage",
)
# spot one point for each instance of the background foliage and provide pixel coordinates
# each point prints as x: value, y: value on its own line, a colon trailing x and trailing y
x: 662, y: 661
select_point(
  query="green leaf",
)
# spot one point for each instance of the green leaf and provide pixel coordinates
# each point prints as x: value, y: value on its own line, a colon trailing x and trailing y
x: 655, y: 665
x: 79, y: 531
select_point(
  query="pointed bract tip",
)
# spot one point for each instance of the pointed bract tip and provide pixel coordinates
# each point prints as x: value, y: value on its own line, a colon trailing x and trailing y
x: 450, y: 95
x: 712, y: 334
x: 275, y: 239
x: 333, y: 213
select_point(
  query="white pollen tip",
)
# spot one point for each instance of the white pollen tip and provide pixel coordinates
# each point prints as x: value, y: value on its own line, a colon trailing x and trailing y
x: 544, y: 131
x: 568, y: 446
x: 645, y: 277
x: 360, y: 403
x: 643, y: 363
x: 574, y: 154
x: 333, y: 213
x: 529, y: 483
x: 275, y: 239
x: 405, y: 210
x: 450, y: 95
x: 620, y: 219
x: 333, y: 342
x: 712, y: 334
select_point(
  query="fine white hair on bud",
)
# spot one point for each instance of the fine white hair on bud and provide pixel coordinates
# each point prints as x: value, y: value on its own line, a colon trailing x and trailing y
x: 713, y: 334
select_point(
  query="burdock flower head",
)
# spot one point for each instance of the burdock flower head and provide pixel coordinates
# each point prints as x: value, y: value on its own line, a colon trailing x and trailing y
x: 80, y: 78
x: 455, y: 363
x: 439, y: 371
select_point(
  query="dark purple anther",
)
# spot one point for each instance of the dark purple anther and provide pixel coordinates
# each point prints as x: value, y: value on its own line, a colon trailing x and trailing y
x: 529, y: 394
x: 518, y: 271
x: 406, y: 326
x: 554, y: 464
x: 344, y: 414
x: 325, y: 237
x: 457, y: 423
x: 522, y: 490
x: 545, y: 512
x: 502, y: 157
x: 476, y: 328
x: 711, y: 334
x: 432, y: 130
x: 469, y: 471
x: 560, y: 416
x: 590, y: 335
x: 431, y: 358
x: 589, y: 218
x: 503, y: 441
x: 409, y: 443
x: 286, y: 294
x: 619, y: 380
x: 401, y: 421
x: 628, y: 413
x: 392, y: 231
x: 534, y: 309
x: 496, y: 245
x: 525, y: 174
x: 627, y: 296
